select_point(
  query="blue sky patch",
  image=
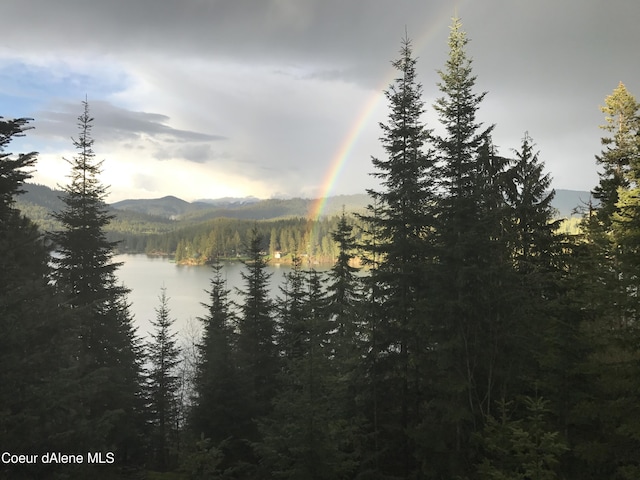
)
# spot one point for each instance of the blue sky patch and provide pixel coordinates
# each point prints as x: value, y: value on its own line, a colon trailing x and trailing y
x: 26, y: 89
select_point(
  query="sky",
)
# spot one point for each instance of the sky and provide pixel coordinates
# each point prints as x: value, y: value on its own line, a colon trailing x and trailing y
x: 283, y: 98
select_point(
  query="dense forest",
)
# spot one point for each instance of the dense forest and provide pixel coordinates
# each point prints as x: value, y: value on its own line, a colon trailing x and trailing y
x: 484, y: 342
x: 195, y: 233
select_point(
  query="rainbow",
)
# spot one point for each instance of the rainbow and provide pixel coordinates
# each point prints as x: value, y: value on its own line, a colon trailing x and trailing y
x: 364, y: 116
x: 342, y: 155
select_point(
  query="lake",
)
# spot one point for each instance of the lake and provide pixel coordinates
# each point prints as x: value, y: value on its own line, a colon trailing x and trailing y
x: 145, y: 276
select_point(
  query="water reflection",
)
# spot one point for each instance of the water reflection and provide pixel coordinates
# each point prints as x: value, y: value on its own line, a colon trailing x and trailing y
x: 185, y: 285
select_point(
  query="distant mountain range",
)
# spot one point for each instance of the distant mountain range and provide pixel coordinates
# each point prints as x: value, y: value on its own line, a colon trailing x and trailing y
x: 228, y: 201
x: 248, y: 208
x: 40, y: 198
x: 175, y: 208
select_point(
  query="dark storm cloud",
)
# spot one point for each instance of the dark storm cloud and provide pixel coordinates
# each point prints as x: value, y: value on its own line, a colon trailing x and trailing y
x: 327, y: 33
x: 510, y: 34
x: 512, y: 40
x: 522, y: 40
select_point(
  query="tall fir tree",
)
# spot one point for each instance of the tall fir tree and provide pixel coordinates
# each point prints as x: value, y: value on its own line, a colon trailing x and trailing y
x: 457, y: 109
x: 304, y: 436
x: 40, y: 409
x: 292, y: 324
x: 220, y: 411
x: 163, y: 356
x: 371, y: 368
x: 621, y: 161
x: 343, y: 288
x: 403, y: 220
x: 472, y: 301
x: 344, y: 305
x: 256, y: 327
x: 257, y: 353
x: 620, y: 152
x: 611, y: 282
x: 529, y: 197
x: 85, y: 279
x: 540, y: 256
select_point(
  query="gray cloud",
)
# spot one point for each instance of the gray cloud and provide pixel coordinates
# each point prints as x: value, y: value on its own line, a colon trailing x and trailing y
x: 193, y: 152
x: 546, y: 65
x: 355, y: 35
x: 116, y: 124
x: 358, y: 35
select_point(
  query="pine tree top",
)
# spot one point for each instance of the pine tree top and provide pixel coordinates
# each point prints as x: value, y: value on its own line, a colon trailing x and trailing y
x: 14, y: 170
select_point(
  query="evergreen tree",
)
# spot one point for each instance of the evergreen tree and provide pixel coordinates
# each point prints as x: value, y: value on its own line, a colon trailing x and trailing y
x: 256, y: 327
x: 258, y: 361
x: 85, y: 280
x: 521, y: 449
x: 347, y: 340
x: 457, y: 109
x: 529, y: 196
x: 473, y: 304
x: 14, y: 171
x: 548, y: 319
x: 343, y: 286
x: 621, y: 163
x: 403, y: 220
x: 220, y: 413
x: 344, y: 296
x: 39, y: 405
x: 611, y: 301
x: 621, y: 150
x: 304, y: 435
x: 163, y: 383
x: 371, y: 369
x: 292, y: 321
x: 611, y: 226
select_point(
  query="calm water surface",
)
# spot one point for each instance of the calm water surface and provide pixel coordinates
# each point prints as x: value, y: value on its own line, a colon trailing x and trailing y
x: 145, y: 276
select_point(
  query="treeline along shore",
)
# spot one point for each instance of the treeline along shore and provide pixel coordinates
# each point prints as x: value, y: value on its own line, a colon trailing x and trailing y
x: 173, y: 230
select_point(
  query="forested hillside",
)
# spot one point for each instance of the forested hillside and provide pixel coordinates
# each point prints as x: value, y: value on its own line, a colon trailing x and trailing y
x: 196, y: 232
x: 484, y: 342
x: 40, y: 201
